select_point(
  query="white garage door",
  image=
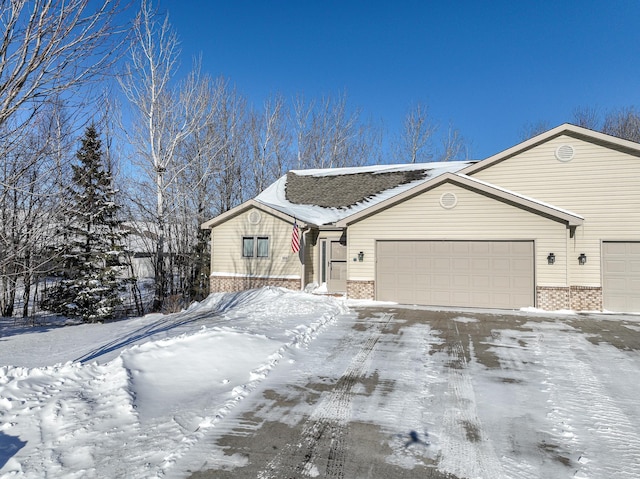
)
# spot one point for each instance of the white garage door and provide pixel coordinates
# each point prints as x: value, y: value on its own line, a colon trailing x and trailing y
x: 491, y: 274
x: 621, y: 276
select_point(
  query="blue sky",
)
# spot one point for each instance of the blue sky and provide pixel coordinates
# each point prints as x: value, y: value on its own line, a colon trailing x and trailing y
x: 488, y: 67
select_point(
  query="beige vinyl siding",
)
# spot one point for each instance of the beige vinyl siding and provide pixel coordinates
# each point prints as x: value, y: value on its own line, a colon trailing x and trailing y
x: 310, y: 256
x: 599, y: 183
x: 476, y: 217
x: 227, y: 256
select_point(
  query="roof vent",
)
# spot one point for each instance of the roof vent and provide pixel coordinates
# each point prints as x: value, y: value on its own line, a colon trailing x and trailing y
x: 448, y: 200
x: 254, y: 217
x: 565, y: 152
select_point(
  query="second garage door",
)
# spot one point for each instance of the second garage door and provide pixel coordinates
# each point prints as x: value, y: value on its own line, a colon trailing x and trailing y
x: 488, y: 274
x: 621, y: 276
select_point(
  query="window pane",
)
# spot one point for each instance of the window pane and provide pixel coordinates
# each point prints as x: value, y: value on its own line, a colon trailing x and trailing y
x: 263, y: 247
x: 247, y: 247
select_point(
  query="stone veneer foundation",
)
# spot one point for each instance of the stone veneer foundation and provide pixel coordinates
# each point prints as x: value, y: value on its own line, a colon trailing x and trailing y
x: 233, y: 284
x: 361, y: 289
x: 548, y: 298
x: 577, y: 298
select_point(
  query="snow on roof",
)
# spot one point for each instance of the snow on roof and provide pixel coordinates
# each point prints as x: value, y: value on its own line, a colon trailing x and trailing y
x: 325, y: 196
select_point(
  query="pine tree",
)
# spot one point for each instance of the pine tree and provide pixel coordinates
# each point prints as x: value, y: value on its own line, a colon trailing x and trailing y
x: 91, y: 274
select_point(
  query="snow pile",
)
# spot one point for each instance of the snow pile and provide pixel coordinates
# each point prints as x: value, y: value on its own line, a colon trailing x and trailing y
x: 128, y: 399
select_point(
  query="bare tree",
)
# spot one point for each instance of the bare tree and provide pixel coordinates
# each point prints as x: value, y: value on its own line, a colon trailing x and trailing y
x: 165, y: 116
x: 51, y: 51
x: 586, y: 117
x: 623, y: 123
x: 50, y: 47
x: 454, y: 146
x: 418, y: 130
x: 270, y: 142
x: 330, y: 135
x: 35, y: 166
x: 533, y: 129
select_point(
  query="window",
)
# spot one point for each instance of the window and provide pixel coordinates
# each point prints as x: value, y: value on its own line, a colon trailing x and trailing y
x: 262, y: 247
x: 255, y: 247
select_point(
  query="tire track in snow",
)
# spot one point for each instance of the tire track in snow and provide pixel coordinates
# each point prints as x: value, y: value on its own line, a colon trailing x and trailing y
x: 327, y: 426
x: 585, y: 418
x: 465, y: 451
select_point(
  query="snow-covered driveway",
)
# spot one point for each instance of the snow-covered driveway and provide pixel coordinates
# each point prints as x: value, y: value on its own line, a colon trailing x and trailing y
x: 274, y: 383
x: 401, y: 392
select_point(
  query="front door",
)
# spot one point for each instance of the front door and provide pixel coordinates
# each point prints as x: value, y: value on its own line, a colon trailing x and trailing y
x: 334, y: 264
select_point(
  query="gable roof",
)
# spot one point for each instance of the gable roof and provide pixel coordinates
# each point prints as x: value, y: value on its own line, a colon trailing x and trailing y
x: 567, y: 129
x: 247, y: 205
x: 482, y: 187
x: 325, y: 196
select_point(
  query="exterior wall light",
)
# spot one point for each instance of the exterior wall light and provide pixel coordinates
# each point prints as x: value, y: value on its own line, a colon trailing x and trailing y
x: 551, y: 258
x: 361, y: 256
x: 582, y: 259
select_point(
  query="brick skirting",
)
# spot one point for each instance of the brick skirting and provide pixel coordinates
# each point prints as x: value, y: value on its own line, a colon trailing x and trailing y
x: 361, y: 289
x: 233, y: 284
x: 586, y: 298
x: 577, y: 298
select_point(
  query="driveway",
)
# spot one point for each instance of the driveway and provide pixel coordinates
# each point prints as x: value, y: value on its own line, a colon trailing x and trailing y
x: 406, y: 392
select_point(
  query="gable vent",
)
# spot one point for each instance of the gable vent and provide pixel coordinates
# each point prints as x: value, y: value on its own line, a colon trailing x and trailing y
x: 254, y: 217
x: 448, y: 200
x: 565, y: 152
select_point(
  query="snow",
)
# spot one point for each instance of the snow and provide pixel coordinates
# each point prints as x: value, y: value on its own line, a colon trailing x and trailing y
x: 275, y: 197
x: 140, y: 398
x: 98, y: 400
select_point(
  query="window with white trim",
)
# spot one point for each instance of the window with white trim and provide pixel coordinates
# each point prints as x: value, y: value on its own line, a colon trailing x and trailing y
x: 255, y: 246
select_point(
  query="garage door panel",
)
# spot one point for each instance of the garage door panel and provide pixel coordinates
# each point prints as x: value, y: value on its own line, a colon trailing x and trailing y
x: 480, y: 281
x: 521, y: 282
x: 460, y: 281
x: 441, y: 265
x: 479, y: 248
x: 457, y: 273
x: 460, y: 248
x: 500, y: 282
x: 501, y: 248
x: 405, y: 263
x: 521, y: 247
x: 461, y: 297
x: 501, y: 264
x: 441, y: 281
x: 422, y: 263
x: 441, y: 248
x: 615, y: 266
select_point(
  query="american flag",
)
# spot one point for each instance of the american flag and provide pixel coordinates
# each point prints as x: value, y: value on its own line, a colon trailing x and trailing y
x: 295, y: 238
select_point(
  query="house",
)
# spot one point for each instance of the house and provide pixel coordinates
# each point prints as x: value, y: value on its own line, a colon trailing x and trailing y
x: 553, y: 223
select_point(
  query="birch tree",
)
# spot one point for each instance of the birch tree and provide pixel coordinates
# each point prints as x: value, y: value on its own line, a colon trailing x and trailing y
x: 165, y: 114
x: 331, y: 135
x: 270, y: 143
x: 414, y: 144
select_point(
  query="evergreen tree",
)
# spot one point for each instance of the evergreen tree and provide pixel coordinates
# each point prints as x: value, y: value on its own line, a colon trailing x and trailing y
x: 91, y: 273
